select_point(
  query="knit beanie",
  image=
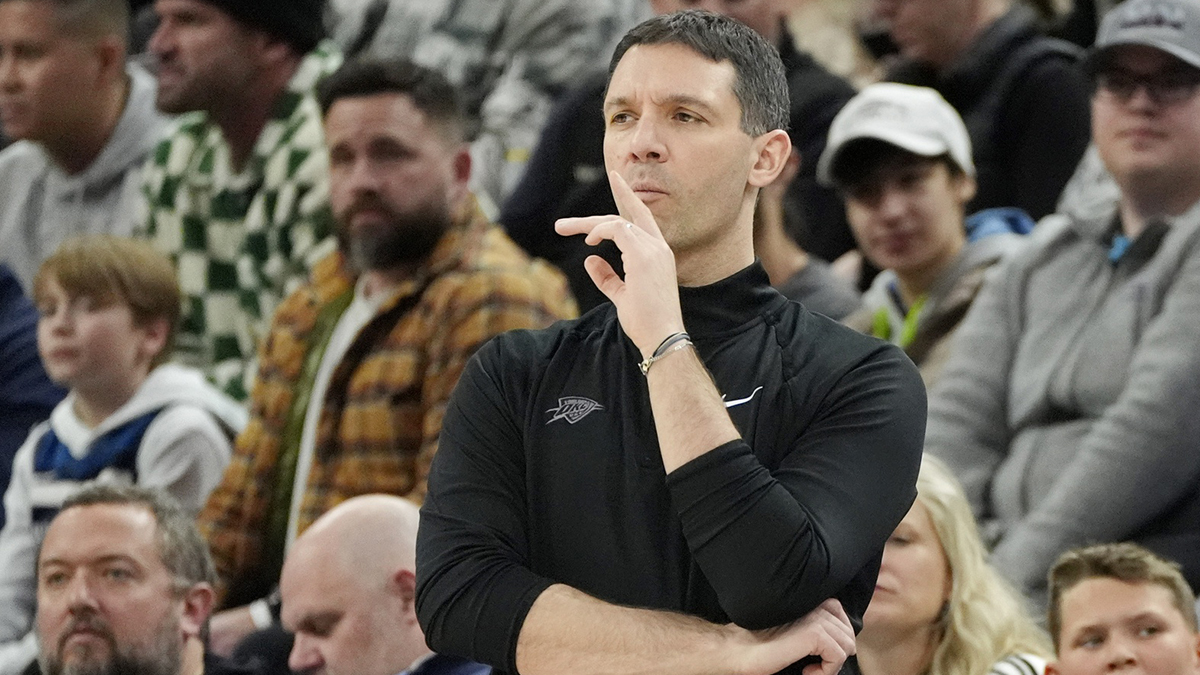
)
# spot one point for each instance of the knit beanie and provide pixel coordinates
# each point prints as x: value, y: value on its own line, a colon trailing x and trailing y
x: 300, y: 23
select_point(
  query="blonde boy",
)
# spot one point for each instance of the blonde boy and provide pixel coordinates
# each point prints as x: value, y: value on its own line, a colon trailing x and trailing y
x: 107, y: 313
x: 1118, y: 608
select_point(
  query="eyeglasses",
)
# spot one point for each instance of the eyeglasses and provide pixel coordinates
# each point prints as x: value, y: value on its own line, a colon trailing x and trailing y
x: 1165, y: 88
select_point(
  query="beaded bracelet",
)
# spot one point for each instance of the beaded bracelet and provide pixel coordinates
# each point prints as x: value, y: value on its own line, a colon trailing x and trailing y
x: 672, y: 343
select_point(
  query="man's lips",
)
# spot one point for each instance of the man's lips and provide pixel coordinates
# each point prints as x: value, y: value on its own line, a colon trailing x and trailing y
x: 648, y: 192
x: 1139, y: 133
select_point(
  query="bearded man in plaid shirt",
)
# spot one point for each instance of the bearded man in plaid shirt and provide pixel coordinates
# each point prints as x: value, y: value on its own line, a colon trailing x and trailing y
x: 354, y: 375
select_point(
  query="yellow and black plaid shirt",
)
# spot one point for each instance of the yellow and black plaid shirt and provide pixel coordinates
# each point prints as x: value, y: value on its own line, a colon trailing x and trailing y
x: 383, y: 408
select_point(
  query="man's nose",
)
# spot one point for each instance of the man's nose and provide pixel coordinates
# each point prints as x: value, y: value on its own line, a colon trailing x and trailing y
x: 1120, y: 654
x: 646, y: 143
x: 892, y: 202
x: 161, y: 40
x: 80, y: 595
x: 9, y: 76
x: 304, y: 655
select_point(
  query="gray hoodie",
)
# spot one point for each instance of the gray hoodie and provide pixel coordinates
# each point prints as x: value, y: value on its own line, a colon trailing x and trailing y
x: 40, y: 205
x: 1070, y: 406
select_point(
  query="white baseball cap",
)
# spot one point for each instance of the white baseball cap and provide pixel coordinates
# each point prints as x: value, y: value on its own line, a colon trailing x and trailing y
x: 1172, y: 26
x: 916, y: 119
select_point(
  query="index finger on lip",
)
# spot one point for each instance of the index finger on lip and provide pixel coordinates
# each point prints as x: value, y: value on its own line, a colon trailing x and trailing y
x: 630, y: 206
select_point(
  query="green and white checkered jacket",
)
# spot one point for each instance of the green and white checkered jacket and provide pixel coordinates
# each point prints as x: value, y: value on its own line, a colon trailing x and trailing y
x: 241, y: 241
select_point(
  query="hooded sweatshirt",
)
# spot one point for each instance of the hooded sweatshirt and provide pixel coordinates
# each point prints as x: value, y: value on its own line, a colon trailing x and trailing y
x: 182, y: 427
x: 40, y: 205
x: 1069, y: 405
x: 940, y: 310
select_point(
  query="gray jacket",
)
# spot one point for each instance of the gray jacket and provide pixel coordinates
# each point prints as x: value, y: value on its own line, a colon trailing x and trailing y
x: 1070, y: 406
x: 41, y: 206
x: 946, y: 303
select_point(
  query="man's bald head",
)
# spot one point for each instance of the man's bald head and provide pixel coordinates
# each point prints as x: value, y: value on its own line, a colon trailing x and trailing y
x: 348, y: 588
x: 374, y: 535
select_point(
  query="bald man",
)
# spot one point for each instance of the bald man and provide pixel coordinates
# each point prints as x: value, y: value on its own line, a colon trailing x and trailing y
x: 348, y: 586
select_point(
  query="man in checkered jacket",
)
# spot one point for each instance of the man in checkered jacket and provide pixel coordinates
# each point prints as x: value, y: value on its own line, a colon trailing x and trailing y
x: 237, y: 192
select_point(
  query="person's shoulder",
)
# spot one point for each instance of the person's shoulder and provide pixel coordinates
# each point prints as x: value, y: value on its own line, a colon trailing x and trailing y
x: 20, y: 157
x: 180, y: 140
x: 21, y: 165
x: 188, y: 126
x: 812, y: 83
x: 442, y: 664
x: 1044, y: 66
x: 315, y: 66
x: 495, y: 266
x: 1019, y: 664
x: 535, y: 347
x: 820, y: 345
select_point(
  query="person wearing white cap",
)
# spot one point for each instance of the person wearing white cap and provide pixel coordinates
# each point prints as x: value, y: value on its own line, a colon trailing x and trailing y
x: 1069, y: 404
x: 901, y: 158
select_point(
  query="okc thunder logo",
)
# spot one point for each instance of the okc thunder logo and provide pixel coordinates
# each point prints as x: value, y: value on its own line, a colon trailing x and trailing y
x: 572, y: 409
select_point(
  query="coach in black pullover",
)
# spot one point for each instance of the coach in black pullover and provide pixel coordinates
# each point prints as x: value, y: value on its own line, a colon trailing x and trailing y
x: 738, y: 485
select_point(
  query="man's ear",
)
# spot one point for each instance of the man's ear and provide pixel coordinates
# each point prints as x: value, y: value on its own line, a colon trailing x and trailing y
x: 404, y: 583
x: 771, y: 151
x: 110, y: 52
x: 966, y: 188
x: 197, y: 606
x: 462, y: 164
x: 155, y: 332
x: 1196, y: 665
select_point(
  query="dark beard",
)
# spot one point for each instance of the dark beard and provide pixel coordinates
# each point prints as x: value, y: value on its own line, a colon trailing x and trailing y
x: 404, y: 239
x: 163, y: 657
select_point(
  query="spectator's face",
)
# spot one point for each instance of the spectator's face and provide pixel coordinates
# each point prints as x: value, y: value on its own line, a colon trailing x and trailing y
x: 47, y: 76
x: 674, y: 133
x: 929, y: 31
x: 107, y: 604
x: 907, y: 214
x: 346, y: 623
x: 395, y: 179
x: 1144, y: 137
x: 761, y: 15
x: 1113, y: 626
x: 914, y: 579
x: 91, y: 346
x: 205, y: 57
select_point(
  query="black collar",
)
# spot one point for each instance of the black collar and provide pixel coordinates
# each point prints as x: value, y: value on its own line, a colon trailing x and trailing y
x: 726, y: 306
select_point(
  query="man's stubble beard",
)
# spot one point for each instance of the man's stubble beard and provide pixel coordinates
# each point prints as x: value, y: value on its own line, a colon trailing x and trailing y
x: 404, y: 239
x: 163, y: 657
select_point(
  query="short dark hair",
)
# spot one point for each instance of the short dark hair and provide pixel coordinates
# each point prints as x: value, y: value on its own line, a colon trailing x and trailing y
x: 1124, y: 562
x: 428, y: 89
x: 856, y: 160
x: 182, y: 549
x: 759, y: 84
x: 92, y: 17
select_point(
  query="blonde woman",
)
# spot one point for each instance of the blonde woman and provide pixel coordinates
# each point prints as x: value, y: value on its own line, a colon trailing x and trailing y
x: 939, y: 608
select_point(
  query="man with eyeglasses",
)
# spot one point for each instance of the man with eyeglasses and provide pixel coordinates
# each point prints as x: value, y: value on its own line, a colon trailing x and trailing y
x: 1071, y: 406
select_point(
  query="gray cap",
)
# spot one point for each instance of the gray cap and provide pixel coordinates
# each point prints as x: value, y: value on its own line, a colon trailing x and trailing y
x: 1170, y: 25
x: 916, y: 119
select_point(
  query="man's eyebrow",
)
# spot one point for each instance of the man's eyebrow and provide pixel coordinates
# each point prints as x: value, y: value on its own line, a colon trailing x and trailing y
x: 316, y: 622
x: 677, y: 99
x: 111, y: 558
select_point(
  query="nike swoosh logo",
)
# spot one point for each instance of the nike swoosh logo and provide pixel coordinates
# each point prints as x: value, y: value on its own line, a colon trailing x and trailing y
x: 730, y: 404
